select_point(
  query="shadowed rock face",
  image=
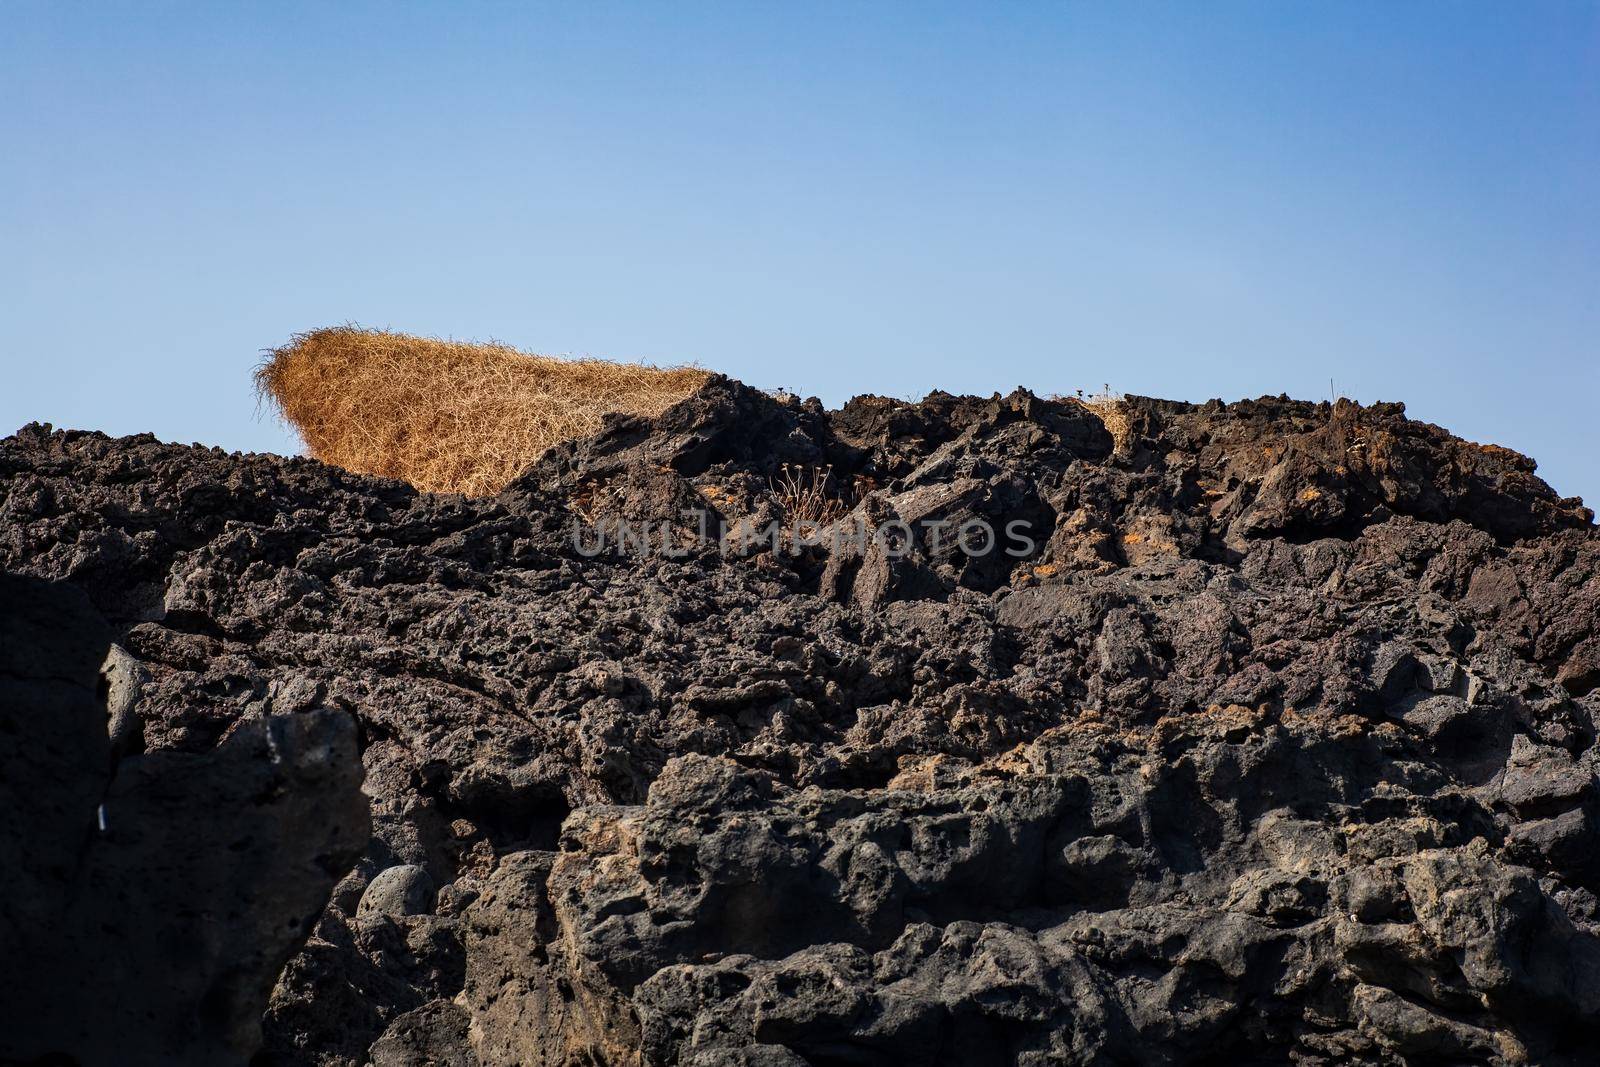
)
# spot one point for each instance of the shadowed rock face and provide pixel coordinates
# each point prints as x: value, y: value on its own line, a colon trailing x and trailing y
x: 1277, y: 745
x: 151, y: 901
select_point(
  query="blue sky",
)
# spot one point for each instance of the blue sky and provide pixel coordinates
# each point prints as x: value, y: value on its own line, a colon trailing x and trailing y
x: 1187, y: 201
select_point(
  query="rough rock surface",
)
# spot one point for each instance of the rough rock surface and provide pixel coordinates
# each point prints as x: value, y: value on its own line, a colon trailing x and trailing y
x: 151, y: 901
x: 1276, y: 745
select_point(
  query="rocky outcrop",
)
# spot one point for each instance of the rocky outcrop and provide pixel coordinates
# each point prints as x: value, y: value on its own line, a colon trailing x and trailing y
x: 1262, y: 732
x: 151, y: 901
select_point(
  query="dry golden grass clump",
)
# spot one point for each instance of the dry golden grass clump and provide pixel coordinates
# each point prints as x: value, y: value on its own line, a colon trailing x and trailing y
x: 449, y: 416
x: 1110, y: 408
x: 1112, y: 411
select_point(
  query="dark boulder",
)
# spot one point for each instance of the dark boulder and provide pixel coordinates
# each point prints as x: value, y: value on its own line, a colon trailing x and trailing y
x: 151, y: 901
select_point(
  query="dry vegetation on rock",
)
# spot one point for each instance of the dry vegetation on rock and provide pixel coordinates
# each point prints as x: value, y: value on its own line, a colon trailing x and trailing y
x: 449, y: 416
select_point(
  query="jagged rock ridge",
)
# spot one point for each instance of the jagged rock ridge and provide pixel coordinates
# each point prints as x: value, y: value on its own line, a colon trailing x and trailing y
x: 1278, y: 746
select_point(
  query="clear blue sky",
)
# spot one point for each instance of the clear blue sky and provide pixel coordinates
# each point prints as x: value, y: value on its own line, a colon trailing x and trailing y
x: 1188, y: 201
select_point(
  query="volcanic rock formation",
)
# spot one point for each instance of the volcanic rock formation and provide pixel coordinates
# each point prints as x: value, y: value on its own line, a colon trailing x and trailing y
x: 1277, y: 745
x: 151, y: 899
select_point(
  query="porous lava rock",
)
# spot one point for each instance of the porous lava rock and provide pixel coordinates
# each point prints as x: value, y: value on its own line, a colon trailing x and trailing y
x: 1275, y: 741
x: 151, y: 901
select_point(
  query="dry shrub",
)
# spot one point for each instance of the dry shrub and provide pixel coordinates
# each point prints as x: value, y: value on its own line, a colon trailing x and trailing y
x: 1112, y: 411
x: 803, y: 494
x: 449, y: 416
x: 1110, y: 408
